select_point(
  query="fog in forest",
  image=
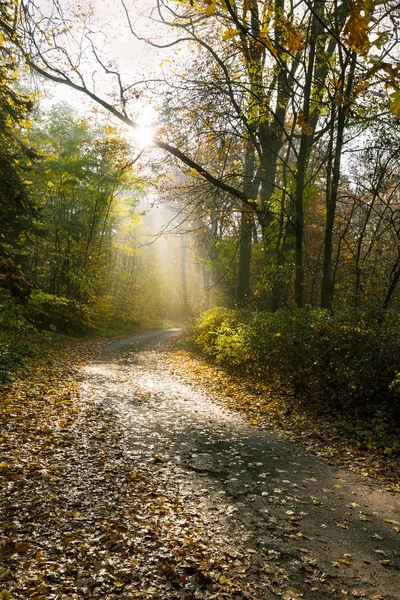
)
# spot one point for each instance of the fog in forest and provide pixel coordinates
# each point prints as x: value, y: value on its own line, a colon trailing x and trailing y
x: 170, y: 246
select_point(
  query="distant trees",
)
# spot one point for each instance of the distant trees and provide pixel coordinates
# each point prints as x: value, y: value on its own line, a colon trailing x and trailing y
x: 290, y: 86
x: 88, y: 249
x: 71, y: 239
x: 82, y: 172
x: 294, y: 79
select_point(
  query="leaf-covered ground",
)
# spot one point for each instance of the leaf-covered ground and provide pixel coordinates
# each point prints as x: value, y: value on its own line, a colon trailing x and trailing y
x: 123, y: 481
x: 79, y: 517
x: 269, y: 409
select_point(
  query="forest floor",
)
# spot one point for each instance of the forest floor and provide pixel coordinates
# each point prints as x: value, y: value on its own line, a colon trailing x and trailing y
x: 133, y: 478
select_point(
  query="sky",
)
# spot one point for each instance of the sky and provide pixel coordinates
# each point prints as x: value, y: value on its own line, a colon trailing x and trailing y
x: 134, y: 58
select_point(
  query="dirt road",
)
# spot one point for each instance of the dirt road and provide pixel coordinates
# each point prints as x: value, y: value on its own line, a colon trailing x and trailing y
x: 295, y: 526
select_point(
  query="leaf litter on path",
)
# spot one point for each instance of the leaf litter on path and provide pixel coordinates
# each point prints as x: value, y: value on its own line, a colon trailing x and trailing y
x: 276, y: 412
x: 135, y: 486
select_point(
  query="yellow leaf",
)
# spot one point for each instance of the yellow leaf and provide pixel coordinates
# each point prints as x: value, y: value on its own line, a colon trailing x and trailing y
x: 230, y: 33
x: 266, y: 40
x: 226, y: 4
x: 302, y: 535
x: 391, y: 521
x: 293, y: 38
x: 302, y: 123
x: 291, y: 594
x: 357, y: 30
x: 211, y: 8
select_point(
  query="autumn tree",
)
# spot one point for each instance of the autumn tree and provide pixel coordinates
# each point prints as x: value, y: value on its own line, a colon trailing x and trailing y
x: 288, y: 75
x: 87, y: 190
x: 285, y: 77
x: 17, y: 209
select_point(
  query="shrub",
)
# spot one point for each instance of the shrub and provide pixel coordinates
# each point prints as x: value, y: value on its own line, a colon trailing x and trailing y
x: 13, y: 315
x: 47, y: 311
x: 10, y: 361
x: 342, y: 365
x: 203, y: 333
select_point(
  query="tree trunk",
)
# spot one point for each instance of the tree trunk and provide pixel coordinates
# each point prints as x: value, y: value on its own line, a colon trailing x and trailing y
x: 394, y: 281
x: 250, y: 187
x: 245, y: 241
x: 302, y: 161
x: 185, y: 303
x: 327, y: 288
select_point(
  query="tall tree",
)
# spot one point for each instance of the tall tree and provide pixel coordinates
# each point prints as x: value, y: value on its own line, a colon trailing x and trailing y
x: 82, y: 171
x: 283, y: 69
x: 17, y: 209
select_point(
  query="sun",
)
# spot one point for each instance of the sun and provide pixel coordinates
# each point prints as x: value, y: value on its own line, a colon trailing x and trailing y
x: 146, y: 118
x: 143, y: 137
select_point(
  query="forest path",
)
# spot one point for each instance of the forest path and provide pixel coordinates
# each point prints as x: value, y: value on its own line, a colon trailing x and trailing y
x: 301, y: 528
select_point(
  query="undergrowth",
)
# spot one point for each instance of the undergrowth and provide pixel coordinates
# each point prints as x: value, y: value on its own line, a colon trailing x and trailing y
x: 344, y: 368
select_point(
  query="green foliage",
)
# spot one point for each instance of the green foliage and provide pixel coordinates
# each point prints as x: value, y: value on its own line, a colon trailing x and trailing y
x: 9, y: 362
x: 78, y: 179
x: 17, y: 209
x: 83, y: 265
x: 83, y: 262
x: 13, y: 315
x: 205, y: 330
x: 336, y: 365
x: 47, y: 311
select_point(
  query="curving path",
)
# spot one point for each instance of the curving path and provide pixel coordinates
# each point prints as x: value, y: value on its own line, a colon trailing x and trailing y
x: 323, y: 532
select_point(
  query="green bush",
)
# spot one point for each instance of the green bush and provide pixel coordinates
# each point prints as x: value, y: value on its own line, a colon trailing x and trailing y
x: 13, y: 315
x: 42, y: 311
x: 47, y: 311
x: 10, y: 361
x: 341, y: 365
x: 204, y: 332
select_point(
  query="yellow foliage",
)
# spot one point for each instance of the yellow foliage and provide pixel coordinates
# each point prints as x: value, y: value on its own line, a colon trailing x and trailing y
x: 293, y: 37
x: 395, y: 103
x: 211, y: 7
x: 266, y: 40
x: 356, y: 30
x: 230, y: 33
x: 302, y: 123
x: 226, y: 4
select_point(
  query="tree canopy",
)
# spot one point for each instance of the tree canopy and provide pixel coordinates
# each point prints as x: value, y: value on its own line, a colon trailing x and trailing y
x: 270, y: 118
